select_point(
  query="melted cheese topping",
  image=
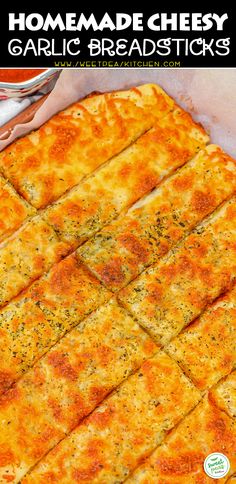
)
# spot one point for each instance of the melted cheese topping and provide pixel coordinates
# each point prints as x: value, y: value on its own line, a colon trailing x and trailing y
x: 180, y: 459
x: 207, y: 349
x: 39, y: 317
x: 72, y: 144
x: 13, y: 209
x: 169, y: 295
x: 31, y: 251
x: 225, y: 393
x: 110, y: 443
x: 126, y: 178
x: 59, y: 421
x: 67, y: 384
x: 137, y: 239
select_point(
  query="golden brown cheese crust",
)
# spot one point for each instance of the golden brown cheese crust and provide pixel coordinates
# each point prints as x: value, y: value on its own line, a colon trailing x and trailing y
x: 134, y: 241
x: 47, y: 162
x: 113, y: 440
x: 13, y: 209
x: 67, y: 384
x: 39, y: 317
x: 126, y: 178
x: 224, y: 394
x: 180, y: 459
x: 169, y: 295
x: 207, y: 349
x: 40, y: 405
x: 32, y: 250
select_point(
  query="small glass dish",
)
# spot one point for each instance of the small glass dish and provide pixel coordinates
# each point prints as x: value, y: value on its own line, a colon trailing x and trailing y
x: 21, y: 89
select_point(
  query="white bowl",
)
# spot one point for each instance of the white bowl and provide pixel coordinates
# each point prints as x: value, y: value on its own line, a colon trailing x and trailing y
x: 20, y: 89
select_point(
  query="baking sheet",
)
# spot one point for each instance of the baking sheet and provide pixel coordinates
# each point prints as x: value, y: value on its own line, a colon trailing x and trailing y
x: 209, y: 94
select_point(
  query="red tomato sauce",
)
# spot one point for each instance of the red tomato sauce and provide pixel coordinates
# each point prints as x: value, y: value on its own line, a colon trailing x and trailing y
x: 18, y: 75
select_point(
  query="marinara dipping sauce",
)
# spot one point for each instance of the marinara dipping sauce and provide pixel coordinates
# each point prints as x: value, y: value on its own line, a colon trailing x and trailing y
x: 19, y: 75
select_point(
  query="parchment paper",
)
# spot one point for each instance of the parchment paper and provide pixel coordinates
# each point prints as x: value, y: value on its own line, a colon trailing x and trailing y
x: 209, y: 94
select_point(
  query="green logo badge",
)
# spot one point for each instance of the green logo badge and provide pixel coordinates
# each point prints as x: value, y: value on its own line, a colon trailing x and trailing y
x: 216, y: 465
